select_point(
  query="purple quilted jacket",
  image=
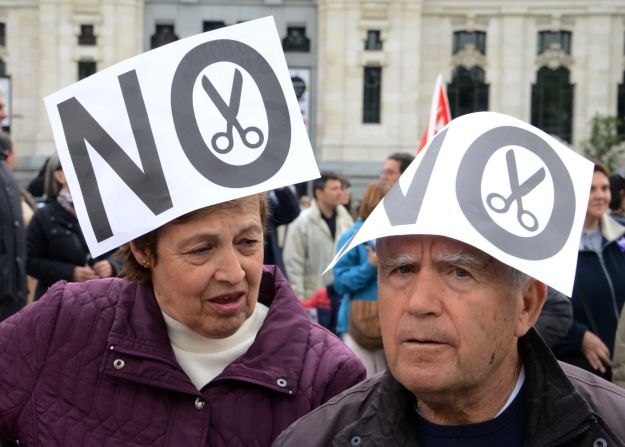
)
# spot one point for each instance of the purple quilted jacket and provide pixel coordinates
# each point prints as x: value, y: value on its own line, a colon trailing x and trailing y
x: 90, y: 364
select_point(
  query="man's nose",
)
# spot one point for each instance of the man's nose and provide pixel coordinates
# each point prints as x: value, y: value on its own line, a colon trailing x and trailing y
x: 426, y: 294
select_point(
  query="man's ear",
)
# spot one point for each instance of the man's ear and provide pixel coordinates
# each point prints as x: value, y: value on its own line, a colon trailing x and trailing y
x: 142, y: 255
x: 534, y: 294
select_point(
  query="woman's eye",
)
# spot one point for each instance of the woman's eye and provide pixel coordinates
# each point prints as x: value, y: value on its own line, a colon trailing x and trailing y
x: 249, y: 242
x: 199, y: 251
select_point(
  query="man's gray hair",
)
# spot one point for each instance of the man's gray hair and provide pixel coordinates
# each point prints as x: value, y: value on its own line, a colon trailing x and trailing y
x: 517, y: 278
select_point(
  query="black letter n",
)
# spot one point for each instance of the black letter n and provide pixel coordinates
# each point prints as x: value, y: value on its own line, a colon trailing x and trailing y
x: 149, y: 185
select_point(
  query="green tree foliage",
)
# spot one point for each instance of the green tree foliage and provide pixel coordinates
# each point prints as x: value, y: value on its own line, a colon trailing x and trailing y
x: 604, y: 143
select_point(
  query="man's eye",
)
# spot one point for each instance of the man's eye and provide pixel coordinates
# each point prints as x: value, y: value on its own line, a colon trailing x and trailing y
x: 404, y: 269
x: 461, y: 273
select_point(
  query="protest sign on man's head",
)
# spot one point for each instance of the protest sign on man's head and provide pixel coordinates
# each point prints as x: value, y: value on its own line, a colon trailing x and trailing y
x: 200, y: 121
x: 498, y: 184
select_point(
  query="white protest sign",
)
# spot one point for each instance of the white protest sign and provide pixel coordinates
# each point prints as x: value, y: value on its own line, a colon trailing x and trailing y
x: 200, y: 121
x: 498, y: 184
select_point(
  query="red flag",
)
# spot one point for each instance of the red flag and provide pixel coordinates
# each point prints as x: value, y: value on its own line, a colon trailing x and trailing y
x: 439, y: 113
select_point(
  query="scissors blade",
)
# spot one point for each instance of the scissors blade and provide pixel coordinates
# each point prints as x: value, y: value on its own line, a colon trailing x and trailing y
x: 531, y: 183
x: 235, y: 93
x: 214, y: 95
x: 512, y: 172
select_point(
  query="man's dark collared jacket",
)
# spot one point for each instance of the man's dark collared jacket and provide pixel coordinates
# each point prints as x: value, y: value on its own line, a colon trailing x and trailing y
x: 564, y: 406
x: 91, y: 364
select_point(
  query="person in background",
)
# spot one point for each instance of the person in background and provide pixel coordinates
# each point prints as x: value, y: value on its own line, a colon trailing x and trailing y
x: 556, y: 317
x: 284, y: 209
x: 56, y: 247
x: 599, y: 289
x: 28, y: 205
x: 356, y: 281
x: 304, y: 202
x: 394, y: 167
x: 198, y: 344
x: 617, y: 202
x: 13, y: 288
x: 311, y: 238
x: 346, y: 200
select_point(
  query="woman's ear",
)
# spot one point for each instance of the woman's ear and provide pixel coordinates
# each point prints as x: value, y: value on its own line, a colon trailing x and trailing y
x: 142, y: 254
x: 534, y: 294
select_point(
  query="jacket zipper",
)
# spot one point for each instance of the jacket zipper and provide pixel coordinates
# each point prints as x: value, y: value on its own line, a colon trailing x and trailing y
x: 609, y: 280
x: 575, y: 434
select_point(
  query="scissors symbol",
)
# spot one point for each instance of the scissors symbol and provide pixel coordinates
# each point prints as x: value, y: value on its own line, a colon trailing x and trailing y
x: 229, y: 112
x: 501, y: 204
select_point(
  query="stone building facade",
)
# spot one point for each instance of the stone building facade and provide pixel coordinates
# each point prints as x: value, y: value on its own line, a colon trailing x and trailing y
x: 49, y: 44
x: 500, y: 46
x: 364, y: 69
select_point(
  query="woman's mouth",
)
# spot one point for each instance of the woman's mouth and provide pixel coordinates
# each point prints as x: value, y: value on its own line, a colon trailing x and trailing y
x: 228, y: 304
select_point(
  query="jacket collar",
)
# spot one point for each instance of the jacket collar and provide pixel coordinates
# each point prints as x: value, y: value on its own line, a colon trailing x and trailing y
x: 549, y: 394
x: 139, y: 332
x: 610, y: 228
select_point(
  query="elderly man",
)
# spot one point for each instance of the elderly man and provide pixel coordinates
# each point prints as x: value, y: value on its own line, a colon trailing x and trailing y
x: 466, y: 367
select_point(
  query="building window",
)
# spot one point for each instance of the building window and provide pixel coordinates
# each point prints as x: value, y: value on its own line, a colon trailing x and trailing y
x: 3, y: 68
x: 85, y: 68
x: 2, y: 35
x: 373, y: 41
x: 547, y: 39
x: 552, y: 102
x: 296, y: 39
x: 475, y: 38
x: 467, y: 92
x: 620, y: 108
x: 164, y: 34
x: 86, y: 37
x: 372, y: 95
x: 210, y: 25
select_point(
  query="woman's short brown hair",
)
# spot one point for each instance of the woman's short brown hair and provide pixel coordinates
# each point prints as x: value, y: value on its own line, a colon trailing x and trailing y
x: 373, y: 194
x: 134, y: 271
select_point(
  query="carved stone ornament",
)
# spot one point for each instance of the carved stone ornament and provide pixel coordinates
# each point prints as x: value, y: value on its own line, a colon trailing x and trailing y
x: 469, y: 57
x: 554, y: 57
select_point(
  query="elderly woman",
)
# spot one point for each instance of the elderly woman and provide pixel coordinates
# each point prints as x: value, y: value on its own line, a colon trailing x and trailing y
x: 599, y: 289
x: 198, y: 345
x: 56, y: 248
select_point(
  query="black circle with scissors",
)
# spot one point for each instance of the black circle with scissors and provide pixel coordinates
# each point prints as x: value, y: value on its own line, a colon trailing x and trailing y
x: 229, y: 112
x: 278, y: 139
x: 501, y: 204
x: 555, y: 233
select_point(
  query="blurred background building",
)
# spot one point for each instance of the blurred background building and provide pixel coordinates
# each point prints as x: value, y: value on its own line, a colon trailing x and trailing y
x: 363, y: 70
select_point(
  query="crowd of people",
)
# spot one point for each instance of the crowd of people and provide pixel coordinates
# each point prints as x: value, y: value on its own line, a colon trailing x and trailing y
x: 224, y: 320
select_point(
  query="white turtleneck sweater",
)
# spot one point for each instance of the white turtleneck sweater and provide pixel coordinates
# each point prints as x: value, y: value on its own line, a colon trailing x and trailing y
x: 203, y: 359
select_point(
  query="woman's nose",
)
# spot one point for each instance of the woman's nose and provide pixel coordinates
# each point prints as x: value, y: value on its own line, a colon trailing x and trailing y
x: 229, y: 267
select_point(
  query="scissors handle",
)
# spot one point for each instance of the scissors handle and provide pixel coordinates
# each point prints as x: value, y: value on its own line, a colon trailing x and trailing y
x: 223, y: 135
x: 260, y: 138
x: 499, y: 203
x: 526, y: 219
